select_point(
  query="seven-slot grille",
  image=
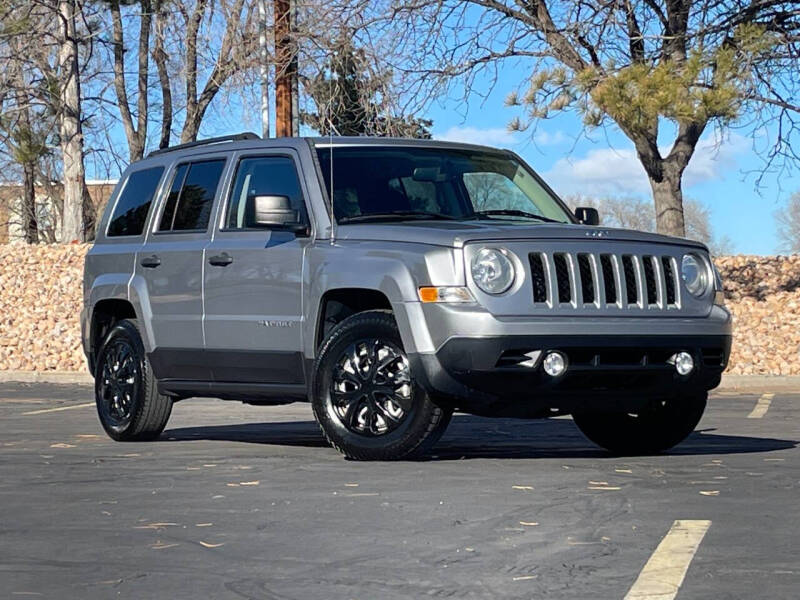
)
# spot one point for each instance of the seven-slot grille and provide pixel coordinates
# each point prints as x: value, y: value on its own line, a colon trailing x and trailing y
x: 594, y: 279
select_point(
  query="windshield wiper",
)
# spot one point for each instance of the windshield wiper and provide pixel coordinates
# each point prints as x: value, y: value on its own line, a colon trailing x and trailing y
x: 396, y: 215
x: 510, y: 212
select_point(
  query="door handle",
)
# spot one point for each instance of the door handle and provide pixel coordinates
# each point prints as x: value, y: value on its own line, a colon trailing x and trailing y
x: 221, y: 260
x: 150, y: 262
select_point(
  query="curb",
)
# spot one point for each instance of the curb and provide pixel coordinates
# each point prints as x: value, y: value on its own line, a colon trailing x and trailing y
x: 65, y: 377
x: 760, y: 383
x: 738, y: 383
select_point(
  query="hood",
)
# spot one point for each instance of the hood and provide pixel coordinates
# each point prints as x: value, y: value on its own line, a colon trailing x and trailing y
x: 457, y: 233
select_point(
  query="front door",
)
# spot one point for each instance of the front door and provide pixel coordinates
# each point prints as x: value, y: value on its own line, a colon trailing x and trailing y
x: 254, y: 279
x: 171, y: 264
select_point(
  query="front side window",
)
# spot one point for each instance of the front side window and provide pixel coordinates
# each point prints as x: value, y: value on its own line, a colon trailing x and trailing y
x: 130, y: 212
x: 262, y: 176
x: 191, y: 196
x: 372, y: 183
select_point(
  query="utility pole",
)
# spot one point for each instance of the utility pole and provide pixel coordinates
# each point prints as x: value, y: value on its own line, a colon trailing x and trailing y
x: 285, y: 69
x: 263, y: 46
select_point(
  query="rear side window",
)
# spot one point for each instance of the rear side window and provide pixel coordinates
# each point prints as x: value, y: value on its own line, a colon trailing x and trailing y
x: 191, y: 196
x: 130, y: 212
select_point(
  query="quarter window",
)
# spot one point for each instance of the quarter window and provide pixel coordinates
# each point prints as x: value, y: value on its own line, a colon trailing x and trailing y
x: 130, y: 212
x: 262, y: 176
x: 191, y: 196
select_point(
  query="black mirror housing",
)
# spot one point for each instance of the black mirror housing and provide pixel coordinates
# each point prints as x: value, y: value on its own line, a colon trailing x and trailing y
x: 587, y: 215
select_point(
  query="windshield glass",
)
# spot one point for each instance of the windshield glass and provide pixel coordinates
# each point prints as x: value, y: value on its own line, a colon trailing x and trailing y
x: 414, y: 182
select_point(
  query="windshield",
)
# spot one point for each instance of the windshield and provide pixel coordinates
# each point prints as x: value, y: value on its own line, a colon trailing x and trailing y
x: 370, y: 183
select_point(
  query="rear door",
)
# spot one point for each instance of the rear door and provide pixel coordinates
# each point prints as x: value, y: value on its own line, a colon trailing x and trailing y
x: 171, y: 263
x: 254, y: 277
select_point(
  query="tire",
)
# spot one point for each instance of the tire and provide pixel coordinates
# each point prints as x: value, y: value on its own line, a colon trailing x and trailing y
x: 651, y: 431
x: 364, y: 396
x: 128, y: 403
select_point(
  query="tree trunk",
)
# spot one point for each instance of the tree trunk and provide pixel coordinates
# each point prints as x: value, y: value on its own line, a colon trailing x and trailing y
x: 224, y: 67
x: 668, y: 198
x: 89, y: 216
x: 136, y: 133
x: 70, y: 125
x: 29, y: 225
x: 160, y: 58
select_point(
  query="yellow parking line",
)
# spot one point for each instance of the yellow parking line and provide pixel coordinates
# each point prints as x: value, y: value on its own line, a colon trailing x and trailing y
x: 59, y: 409
x: 663, y: 574
x: 762, y: 406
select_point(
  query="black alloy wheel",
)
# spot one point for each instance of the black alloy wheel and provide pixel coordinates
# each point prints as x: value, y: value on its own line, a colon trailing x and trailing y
x: 126, y: 391
x: 372, y: 392
x: 364, y: 394
x: 119, y: 382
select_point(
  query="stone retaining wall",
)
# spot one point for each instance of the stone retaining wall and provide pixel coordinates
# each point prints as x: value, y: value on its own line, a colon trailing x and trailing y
x: 40, y: 302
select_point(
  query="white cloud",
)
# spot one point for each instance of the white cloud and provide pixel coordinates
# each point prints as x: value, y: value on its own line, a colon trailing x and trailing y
x: 496, y: 136
x: 713, y: 157
x: 608, y: 171
x: 545, y: 138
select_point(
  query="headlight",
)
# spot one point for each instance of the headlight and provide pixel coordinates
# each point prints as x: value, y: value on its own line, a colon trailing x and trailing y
x: 492, y: 271
x: 694, y: 274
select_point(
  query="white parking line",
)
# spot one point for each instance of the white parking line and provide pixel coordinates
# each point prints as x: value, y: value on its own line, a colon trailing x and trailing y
x: 762, y: 406
x: 59, y: 409
x: 663, y: 574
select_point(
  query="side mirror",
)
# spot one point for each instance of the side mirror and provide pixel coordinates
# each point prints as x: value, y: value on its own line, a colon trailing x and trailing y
x: 277, y: 212
x: 587, y: 216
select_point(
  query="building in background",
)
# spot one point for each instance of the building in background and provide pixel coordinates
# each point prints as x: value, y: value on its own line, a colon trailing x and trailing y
x: 48, y: 208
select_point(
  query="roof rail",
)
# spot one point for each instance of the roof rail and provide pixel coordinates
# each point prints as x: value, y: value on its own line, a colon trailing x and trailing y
x: 247, y: 135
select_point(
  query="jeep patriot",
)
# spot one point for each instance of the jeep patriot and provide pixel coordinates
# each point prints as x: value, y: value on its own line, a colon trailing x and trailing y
x: 390, y: 282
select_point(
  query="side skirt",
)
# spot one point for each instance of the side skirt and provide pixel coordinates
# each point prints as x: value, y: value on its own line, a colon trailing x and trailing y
x: 251, y: 393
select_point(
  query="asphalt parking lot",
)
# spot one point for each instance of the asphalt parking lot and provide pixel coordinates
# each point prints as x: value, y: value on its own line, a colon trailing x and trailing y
x: 247, y: 502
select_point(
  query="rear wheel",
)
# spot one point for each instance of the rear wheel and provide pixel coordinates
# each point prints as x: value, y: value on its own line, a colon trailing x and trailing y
x: 652, y: 430
x: 365, y: 397
x: 128, y: 403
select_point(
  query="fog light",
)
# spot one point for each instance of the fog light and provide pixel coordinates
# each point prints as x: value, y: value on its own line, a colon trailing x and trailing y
x: 683, y: 362
x: 554, y: 364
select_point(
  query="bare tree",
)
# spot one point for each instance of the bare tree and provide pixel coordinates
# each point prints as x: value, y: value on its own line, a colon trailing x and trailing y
x: 136, y: 133
x: 70, y: 123
x: 638, y: 214
x: 787, y: 219
x: 655, y: 68
x: 160, y: 58
x: 236, y: 49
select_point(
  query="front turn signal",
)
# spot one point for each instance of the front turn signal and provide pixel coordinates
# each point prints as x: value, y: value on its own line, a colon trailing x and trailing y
x: 445, y: 294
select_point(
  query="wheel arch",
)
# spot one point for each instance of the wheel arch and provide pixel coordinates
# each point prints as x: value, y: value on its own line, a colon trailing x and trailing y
x: 337, y: 304
x: 105, y: 314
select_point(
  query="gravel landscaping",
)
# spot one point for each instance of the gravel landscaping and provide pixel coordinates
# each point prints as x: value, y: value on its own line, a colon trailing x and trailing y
x: 40, y: 303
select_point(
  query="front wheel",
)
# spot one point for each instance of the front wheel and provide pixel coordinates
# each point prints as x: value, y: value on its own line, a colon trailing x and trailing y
x: 650, y: 431
x: 365, y: 398
x: 128, y: 403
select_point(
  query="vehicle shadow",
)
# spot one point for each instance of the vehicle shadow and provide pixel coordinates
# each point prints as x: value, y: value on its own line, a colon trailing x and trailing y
x: 470, y: 437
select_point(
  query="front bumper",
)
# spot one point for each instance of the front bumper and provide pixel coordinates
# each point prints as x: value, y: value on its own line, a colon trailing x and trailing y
x: 495, y: 375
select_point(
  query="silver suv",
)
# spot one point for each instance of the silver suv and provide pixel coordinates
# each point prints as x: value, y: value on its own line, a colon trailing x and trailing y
x: 389, y: 283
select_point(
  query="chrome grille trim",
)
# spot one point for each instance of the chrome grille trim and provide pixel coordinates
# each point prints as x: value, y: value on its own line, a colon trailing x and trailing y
x: 602, y: 280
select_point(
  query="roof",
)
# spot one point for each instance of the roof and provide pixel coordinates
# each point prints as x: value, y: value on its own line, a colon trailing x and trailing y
x: 251, y: 140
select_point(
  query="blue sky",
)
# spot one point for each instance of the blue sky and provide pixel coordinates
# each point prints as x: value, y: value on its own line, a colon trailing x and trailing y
x: 720, y: 174
x: 601, y: 164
